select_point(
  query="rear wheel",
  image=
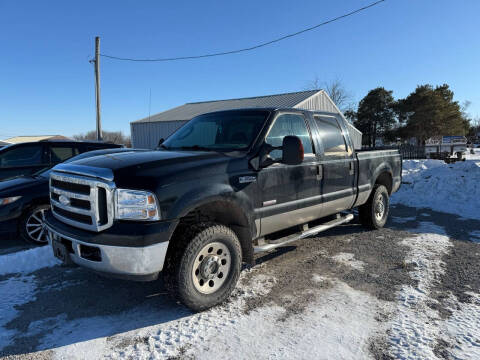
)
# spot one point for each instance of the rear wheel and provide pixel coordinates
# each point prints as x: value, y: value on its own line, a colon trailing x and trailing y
x: 31, y: 225
x: 374, y: 213
x: 205, y: 265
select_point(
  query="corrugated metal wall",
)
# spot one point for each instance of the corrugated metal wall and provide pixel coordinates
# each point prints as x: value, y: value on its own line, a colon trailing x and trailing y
x: 146, y: 135
x: 319, y: 102
x: 322, y: 102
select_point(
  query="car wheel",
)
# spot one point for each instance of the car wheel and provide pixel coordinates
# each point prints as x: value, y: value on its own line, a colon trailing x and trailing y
x: 374, y: 213
x: 205, y: 266
x: 32, y: 225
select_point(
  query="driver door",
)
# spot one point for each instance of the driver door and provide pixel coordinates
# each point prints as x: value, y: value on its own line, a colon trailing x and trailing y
x: 287, y: 190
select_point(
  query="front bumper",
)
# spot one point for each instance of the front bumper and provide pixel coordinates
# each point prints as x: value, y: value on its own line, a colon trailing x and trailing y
x: 140, y: 263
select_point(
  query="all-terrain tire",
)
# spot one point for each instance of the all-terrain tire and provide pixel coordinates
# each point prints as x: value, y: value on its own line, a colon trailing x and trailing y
x: 374, y: 213
x: 180, y: 276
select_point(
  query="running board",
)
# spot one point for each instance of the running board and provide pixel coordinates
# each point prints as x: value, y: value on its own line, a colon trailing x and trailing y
x: 313, y: 231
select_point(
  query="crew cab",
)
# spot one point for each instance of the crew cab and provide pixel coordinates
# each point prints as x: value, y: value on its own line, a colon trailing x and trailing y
x: 224, y: 186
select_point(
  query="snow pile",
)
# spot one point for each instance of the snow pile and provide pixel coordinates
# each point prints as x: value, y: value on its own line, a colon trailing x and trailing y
x: 415, y: 328
x: 451, y: 188
x: 27, y: 261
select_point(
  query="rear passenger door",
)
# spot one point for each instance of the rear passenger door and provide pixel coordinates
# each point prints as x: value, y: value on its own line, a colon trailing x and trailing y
x: 338, y: 166
x: 289, y: 192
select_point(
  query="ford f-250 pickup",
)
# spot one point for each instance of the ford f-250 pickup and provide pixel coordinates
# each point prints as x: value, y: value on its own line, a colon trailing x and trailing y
x: 224, y: 186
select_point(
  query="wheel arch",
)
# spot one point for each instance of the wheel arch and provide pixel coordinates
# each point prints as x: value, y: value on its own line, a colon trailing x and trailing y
x: 228, y: 209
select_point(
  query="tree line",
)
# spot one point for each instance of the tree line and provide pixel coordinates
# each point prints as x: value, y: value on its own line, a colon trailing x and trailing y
x: 115, y: 137
x: 426, y: 112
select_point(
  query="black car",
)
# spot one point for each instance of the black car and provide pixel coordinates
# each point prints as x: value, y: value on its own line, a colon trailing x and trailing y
x: 24, y: 200
x: 31, y: 157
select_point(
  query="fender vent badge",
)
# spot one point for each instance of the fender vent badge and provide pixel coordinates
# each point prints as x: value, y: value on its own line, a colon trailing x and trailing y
x: 246, y: 179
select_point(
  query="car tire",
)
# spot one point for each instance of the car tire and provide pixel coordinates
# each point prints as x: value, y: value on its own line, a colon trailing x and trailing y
x: 374, y: 213
x: 204, y: 266
x: 31, y: 225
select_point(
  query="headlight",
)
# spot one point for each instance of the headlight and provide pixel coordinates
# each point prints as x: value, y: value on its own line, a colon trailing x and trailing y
x: 9, y: 200
x: 136, y: 205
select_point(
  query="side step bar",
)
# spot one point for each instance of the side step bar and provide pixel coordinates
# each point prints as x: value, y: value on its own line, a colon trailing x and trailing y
x: 294, y: 237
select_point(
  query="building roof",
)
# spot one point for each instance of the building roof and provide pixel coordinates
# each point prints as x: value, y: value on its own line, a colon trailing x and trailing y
x: 190, y: 110
x: 22, y: 139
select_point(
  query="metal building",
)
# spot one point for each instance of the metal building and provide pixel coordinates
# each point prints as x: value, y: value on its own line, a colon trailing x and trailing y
x: 148, y: 131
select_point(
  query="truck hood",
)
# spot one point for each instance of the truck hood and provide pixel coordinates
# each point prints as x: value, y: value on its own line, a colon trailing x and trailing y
x: 149, y: 163
x: 120, y: 161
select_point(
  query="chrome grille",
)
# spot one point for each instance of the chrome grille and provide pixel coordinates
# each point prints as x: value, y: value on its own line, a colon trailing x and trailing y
x: 82, y: 201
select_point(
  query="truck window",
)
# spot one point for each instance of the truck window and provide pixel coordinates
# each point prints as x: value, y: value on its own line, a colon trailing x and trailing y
x: 226, y: 131
x: 22, y: 156
x: 332, y: 137
x: 288, y: 124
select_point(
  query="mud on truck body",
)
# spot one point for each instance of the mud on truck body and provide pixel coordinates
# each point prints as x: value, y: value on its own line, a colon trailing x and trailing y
x: 224, y: 186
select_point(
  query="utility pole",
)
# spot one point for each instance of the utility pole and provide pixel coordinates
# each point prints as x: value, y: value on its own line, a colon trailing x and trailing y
x: 96, y: 62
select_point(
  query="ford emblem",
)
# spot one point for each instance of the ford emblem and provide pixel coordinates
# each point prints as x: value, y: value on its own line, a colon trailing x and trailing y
x: 64, y: 200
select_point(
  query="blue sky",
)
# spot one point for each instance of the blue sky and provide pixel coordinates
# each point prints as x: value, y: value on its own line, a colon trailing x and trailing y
x: 47, y: 83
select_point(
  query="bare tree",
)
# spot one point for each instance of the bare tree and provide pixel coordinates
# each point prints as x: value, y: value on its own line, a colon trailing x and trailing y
x: 336, y: 90
x: 116, y: 137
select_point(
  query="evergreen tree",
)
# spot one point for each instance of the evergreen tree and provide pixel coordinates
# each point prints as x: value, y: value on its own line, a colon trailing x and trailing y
x: 376, y: 115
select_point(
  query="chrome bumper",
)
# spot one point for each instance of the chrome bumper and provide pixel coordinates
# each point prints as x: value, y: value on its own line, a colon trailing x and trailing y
x: 117, y: 260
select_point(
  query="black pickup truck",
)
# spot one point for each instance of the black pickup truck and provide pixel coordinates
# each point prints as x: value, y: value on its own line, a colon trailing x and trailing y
x: 224, y: 186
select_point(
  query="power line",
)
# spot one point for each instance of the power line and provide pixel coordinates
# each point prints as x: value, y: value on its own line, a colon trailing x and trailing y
x: 252, y: 47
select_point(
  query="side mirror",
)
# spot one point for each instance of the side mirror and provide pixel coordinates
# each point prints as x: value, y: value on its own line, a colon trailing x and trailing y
x: 292, y: 150
x: 160, y: 142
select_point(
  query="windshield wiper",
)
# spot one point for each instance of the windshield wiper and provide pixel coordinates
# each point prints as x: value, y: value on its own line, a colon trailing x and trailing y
x: 196, y: 147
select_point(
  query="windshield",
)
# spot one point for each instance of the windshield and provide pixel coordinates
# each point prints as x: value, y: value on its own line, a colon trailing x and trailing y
x: 226, y: 131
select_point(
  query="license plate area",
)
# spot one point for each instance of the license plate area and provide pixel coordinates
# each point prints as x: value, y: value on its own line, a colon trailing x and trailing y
x: 61, y: 250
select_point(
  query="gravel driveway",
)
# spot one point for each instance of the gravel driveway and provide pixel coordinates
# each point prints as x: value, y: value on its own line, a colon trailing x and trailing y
x: 60, y: 312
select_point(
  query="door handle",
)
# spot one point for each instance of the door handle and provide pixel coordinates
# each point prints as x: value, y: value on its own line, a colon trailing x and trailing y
x: 319, y: 172
x: 352, y: 168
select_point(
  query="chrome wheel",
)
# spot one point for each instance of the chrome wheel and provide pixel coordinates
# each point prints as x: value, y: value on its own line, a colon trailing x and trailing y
x: 211, y: 267
x: 34, y: 227
x: 380, y: 206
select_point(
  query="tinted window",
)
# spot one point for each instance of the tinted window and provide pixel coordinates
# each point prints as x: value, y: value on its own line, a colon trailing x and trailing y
x: 62, y: 153
x: 22, y: 156
x: 221, y: 131
x: 332, y: 137
x: 288, y: 124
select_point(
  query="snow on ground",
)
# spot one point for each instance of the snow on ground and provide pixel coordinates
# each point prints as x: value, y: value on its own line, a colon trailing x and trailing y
x: 463, y: 326
x: 339, y: 323
x: 14, y: 291
x: 27, y: 261
x: 450, y: 188
x: 415, y: 328
x: 474, y: 156
x: 349, y: 260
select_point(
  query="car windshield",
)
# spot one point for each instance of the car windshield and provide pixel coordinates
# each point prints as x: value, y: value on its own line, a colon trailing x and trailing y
x: 226, y: 131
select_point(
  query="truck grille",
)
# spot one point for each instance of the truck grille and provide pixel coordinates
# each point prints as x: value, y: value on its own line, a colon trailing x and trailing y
x: 82, y: 201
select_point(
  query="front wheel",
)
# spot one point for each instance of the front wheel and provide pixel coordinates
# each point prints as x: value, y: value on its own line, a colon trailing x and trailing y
x: 374, y: 213
x: 31, y: 225
x: 205, y: 265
